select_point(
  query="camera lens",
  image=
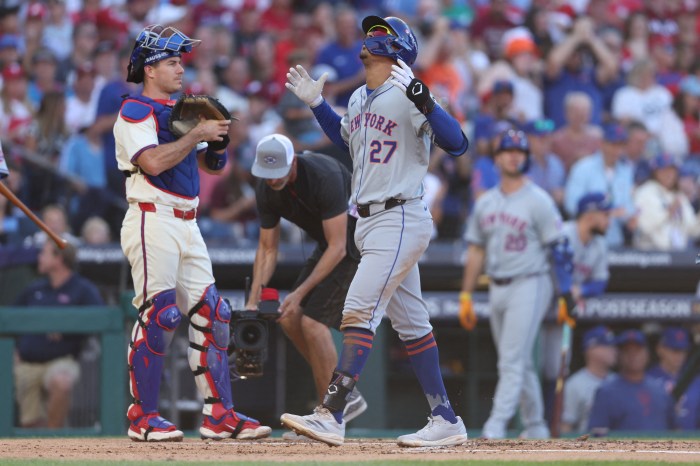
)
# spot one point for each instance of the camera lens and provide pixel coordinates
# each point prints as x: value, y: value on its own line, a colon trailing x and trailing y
x: 250, y: 335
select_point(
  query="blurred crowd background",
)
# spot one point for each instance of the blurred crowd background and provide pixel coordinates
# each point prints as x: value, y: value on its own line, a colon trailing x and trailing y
x: 562, y: 70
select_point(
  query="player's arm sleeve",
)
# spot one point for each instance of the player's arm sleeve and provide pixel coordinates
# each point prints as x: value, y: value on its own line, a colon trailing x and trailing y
x: 447, y: 133
x: 330, y: 123
x: 135, y: 139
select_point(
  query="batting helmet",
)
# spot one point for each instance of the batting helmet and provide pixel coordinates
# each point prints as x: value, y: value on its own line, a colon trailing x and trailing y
x: 156, y: 43
x: 515, y: 139
x: 401, y: 43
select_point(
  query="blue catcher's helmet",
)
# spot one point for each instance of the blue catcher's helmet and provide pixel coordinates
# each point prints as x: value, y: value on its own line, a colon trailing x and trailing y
x: 401, y: 44
x: 515, y: 139
x: 156, y: 43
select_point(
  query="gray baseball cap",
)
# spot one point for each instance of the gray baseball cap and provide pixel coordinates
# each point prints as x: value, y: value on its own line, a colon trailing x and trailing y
x: 273, y: 157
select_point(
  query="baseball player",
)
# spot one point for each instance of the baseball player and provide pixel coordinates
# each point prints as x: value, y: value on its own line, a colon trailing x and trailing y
x: 312, y: 191
x: 586, y: 236
x: 516, y: 230
x: 388, y: 128
x: 170, y: 266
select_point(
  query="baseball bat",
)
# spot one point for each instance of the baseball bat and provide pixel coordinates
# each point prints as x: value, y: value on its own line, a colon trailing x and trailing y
x: 692, y: 369
x: 5, y: 191
x: 555, y: 427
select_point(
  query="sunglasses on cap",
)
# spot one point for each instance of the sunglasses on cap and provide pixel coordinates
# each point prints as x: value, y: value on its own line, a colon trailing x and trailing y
x: 379, y: 30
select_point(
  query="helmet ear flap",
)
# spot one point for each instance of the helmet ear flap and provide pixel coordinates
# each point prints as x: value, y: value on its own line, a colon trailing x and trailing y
x: 136, y: 64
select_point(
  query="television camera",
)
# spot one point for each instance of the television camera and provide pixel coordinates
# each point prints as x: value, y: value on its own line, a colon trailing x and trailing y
x: 250, y: 335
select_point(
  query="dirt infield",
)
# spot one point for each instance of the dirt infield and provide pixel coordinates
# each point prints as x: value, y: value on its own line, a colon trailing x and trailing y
x: 354, y: 450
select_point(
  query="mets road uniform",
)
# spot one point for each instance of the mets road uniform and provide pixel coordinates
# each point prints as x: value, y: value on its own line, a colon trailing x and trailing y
x: 515, y: 231
x: 389, y: 141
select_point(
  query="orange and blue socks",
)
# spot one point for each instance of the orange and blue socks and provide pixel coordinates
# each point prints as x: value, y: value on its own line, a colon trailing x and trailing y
x: 425, y: 359
x: 357, y: 344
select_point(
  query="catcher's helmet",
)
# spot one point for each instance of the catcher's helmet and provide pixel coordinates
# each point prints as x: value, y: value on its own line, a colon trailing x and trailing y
x: 156, y: 43
x: 401, y: 44
x: 515, y: 139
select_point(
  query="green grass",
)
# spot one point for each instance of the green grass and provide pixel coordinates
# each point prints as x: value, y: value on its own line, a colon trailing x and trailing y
x: 345, y: 463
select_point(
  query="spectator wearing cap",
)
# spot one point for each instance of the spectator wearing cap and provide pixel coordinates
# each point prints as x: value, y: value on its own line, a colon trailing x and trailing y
x: 44, y: 75
x: 578, y: 137
x: 600, y: 355
x: 491, y: 22
x: 666, y: 221
x: 498, y: 107
x: 9, y: 50
x: 631, y: 400
x: 546, y: 169
x: 568, y: 69
x: 16, y: 112
x: 586, y: 236
x: 608, y: 172
x: 520, y: 52
x: 341, y: 57
x: 672, y: 351
x: 642, y: 99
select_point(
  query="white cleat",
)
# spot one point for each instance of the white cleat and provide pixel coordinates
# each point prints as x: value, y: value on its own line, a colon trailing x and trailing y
x: 355, y: 406
x: 291, y: 436
x: 539, y: 431
x: 321, y: 426
x: 438, y: 433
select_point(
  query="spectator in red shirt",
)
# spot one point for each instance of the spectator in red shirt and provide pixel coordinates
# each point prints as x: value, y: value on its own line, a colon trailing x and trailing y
x: 491, y: 23
x: 277, y: 19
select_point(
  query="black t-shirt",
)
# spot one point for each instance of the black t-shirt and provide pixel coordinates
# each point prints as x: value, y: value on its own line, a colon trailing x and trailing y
x: 77, y: 291
x: 321, y: 191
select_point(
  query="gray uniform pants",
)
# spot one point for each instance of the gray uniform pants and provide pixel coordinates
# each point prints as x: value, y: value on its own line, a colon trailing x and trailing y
x: 387, y: 279
x: 516, y: 312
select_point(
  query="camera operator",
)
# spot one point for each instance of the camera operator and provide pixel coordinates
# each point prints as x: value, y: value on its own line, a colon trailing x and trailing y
x: 306, y: 190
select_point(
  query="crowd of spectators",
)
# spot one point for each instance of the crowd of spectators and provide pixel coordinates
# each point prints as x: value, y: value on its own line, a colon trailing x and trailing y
x: 607, y: 90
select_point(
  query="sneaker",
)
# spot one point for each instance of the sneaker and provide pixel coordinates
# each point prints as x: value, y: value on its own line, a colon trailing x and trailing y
x: 291, y: 436
x: 321, y: 426
x: 539, y: 431
x: 437, y: 433
x: 154, y: 428
x: 355, y: 406
x: 232, y: 425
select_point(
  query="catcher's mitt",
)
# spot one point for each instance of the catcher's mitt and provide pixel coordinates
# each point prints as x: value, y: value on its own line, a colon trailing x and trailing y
x: 189, y: 108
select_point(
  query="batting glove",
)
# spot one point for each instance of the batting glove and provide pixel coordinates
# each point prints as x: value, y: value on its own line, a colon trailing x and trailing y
x: 566, y: 311
x: 467, y: 316
x: 415, y: 89
x: 305, y: 87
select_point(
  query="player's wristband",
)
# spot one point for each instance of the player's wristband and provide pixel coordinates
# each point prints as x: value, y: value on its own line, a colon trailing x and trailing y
x: 465, y: 296
x: 215, y: 161
x: 317, y: 101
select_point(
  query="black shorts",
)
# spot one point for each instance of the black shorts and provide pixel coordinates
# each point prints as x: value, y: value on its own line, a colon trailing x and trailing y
x: 326, y: 301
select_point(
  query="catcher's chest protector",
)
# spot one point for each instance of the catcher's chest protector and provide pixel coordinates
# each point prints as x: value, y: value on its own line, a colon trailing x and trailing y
x: 183, y: 178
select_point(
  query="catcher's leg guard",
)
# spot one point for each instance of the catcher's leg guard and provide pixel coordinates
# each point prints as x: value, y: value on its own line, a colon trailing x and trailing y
x: 150, y: 337
x: 209, y: 338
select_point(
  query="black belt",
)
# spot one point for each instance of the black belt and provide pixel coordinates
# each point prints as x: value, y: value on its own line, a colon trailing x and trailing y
x: 508, y: 281
x: 364, y: 210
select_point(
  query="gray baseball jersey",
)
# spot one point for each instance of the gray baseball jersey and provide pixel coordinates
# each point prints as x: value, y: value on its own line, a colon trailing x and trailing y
x: 389, y: 141
x: 579, y: 391
x: 515, y: 230
x: 590, y: 260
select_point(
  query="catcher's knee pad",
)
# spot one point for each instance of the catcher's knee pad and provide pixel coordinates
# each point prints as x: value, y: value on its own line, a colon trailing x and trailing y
x: 150, y: 337
x: 207, y: 355
x: 338, y: 390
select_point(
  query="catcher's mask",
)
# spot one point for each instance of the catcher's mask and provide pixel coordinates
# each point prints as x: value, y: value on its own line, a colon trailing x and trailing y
x: 156, y: 43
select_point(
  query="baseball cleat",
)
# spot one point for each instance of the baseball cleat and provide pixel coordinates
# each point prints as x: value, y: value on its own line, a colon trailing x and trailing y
x: 321, y: 426
x: 154, y: 428
x: 291, y: 436
x: 438, y: 433
x: 539, y: 431
x: 232, y: 425
x: 355, y: 406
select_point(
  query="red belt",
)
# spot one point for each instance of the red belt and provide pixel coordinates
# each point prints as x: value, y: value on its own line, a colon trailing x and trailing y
x: 183, y: 214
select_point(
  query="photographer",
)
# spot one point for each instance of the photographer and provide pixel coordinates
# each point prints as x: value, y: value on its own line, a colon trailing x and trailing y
x: 312, y: 191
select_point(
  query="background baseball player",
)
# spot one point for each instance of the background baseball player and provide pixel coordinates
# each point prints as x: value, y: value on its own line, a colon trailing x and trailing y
x: 515, y: 229
x: 170, y: 265
x: 312, y: 191
x: 586, y: 236
x: 389, y: 137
